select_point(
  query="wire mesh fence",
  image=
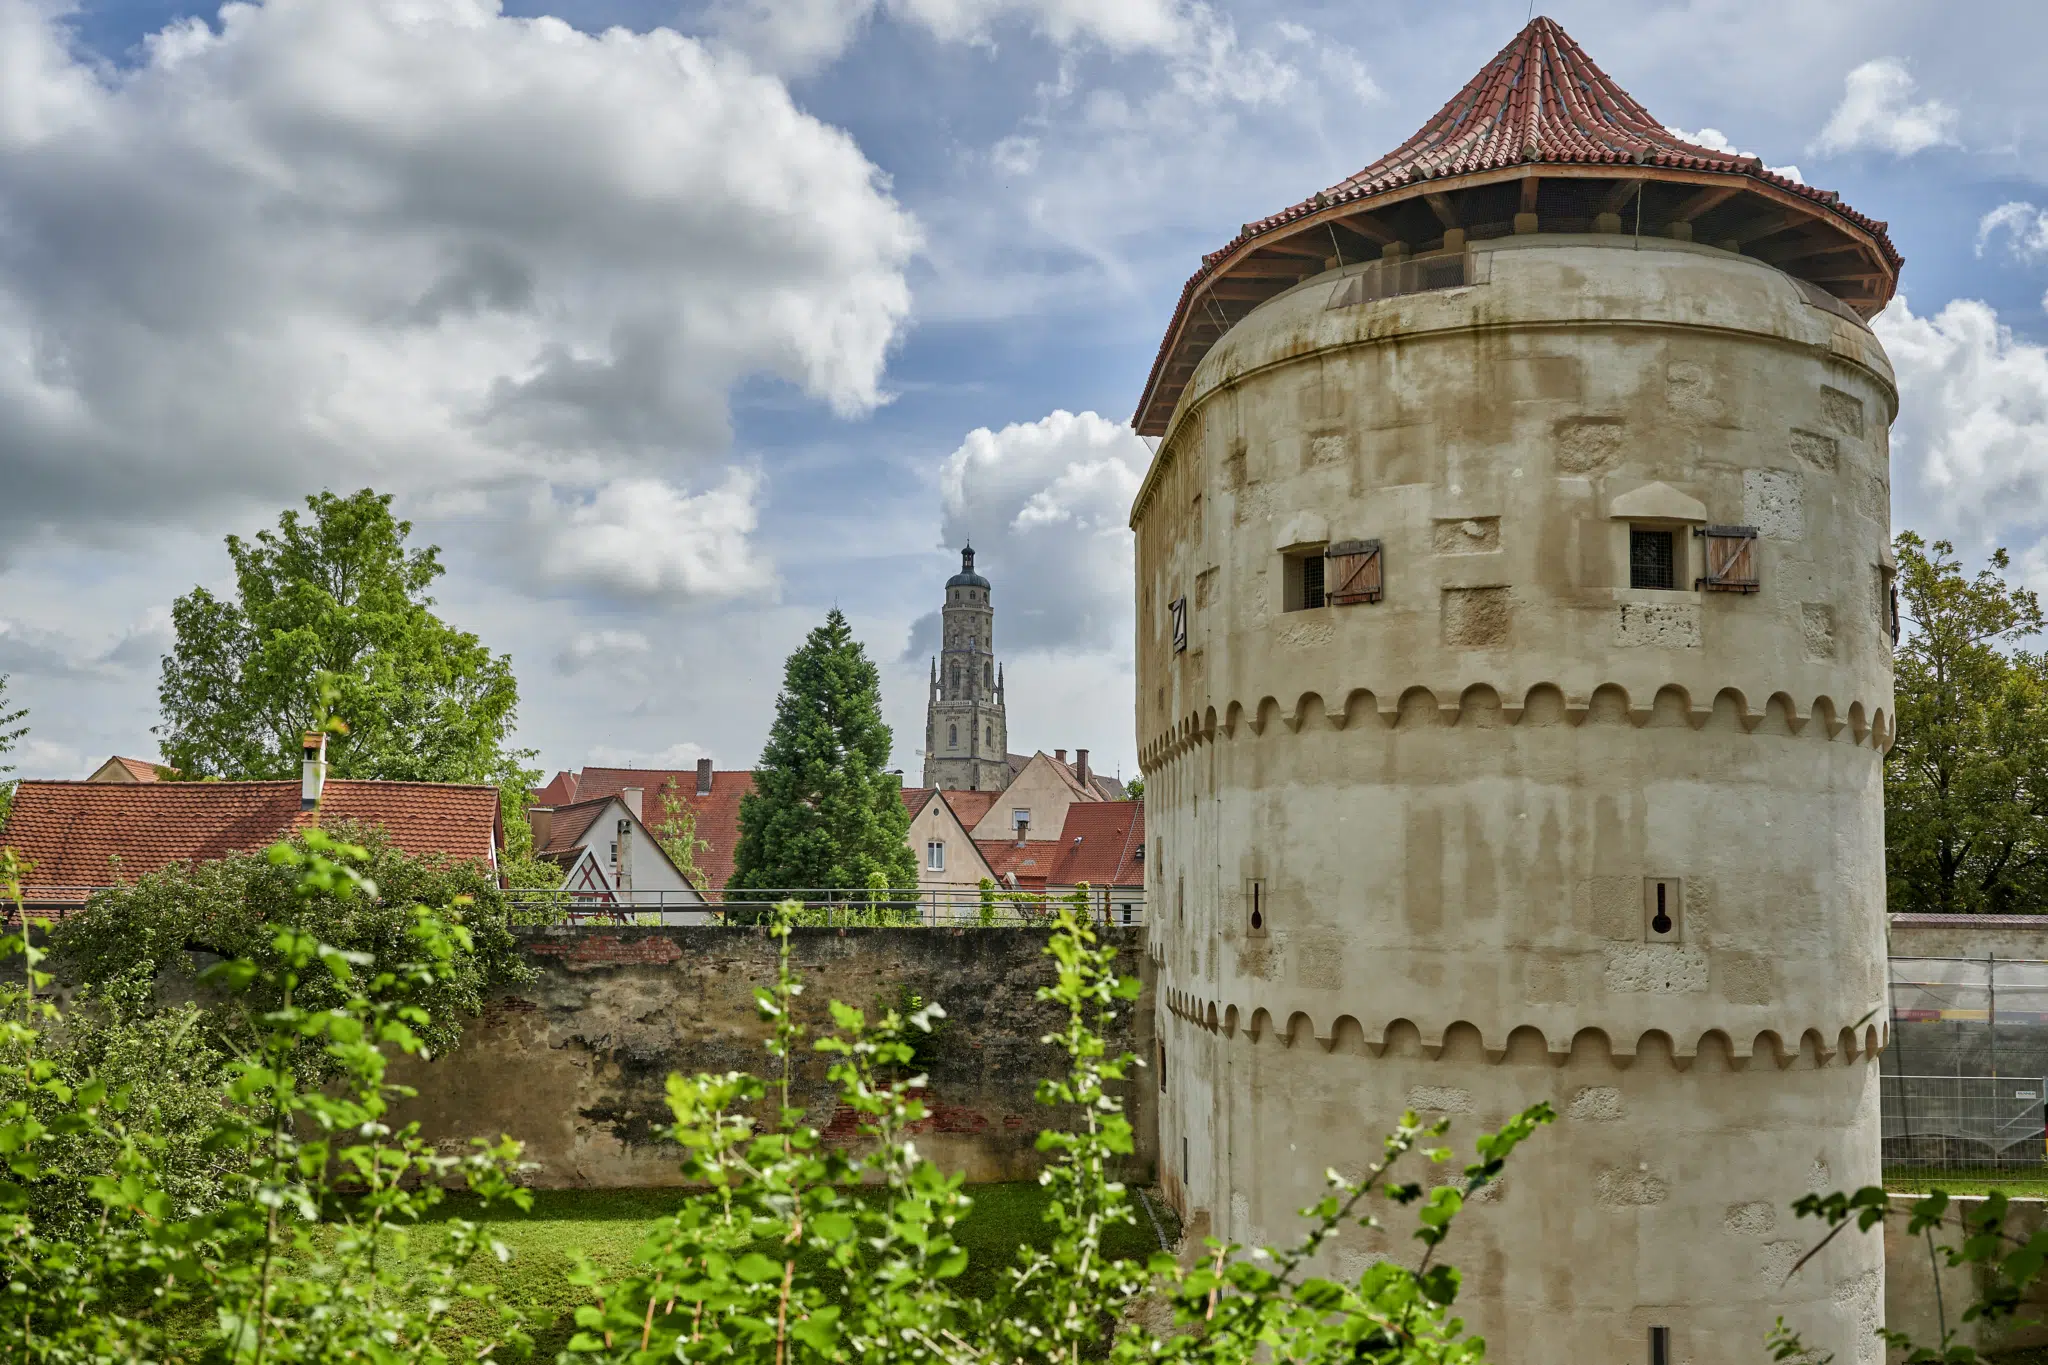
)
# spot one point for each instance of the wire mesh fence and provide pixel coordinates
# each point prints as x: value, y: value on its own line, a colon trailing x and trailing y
x: 1965, y: 1075
x: 828, y: 907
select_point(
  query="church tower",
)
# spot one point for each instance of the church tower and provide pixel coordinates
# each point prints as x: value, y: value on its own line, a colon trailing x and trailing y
x: 966, y: 742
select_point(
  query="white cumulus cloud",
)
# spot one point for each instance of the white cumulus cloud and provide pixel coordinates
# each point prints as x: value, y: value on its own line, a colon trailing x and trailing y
x: 1971, y: 444
x: 2024, y: 226
x: 801, y: 35
x: 644, y: 537
x: 1047, y: 505
x: 1877, y: 113
x: 1713, y: 139
x: 427, y: 246
x: 610, y: 648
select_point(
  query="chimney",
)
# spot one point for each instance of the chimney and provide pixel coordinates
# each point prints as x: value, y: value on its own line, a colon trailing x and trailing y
x: 703, y: 777
x: 542, y: 819
x: 624, y: 879
x: 1060, y: 755
x: 313, y: 772
x: 1023, y: 830
x: 634, y: 799
x: 1081, y: 766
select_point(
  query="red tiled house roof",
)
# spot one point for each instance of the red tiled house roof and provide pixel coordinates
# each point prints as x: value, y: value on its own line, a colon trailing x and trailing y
x: 1100, y: 845
x: 1031, y: 861
x: 915, y: 797
x: 718, y: 814
x: 560, y: 791
x: 72, y: 833
x: 971, y: 806
x: 1540, y: 131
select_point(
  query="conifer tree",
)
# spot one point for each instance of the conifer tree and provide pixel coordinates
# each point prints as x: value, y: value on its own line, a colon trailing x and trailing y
x: 825, y: 811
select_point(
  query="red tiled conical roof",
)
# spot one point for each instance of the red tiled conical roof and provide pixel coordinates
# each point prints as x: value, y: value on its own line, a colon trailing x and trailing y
x: 1541, y: 103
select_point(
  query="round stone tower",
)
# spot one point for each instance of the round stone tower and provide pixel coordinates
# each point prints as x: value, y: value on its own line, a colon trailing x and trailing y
x: 1514, y: 673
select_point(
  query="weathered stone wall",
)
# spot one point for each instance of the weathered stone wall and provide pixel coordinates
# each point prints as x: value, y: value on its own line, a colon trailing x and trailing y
x: 1910, y: 1302
x: 2020, y: 937
x: 574, y: 1065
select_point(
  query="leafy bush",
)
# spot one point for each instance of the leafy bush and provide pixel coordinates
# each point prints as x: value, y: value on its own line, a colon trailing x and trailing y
x: 166, y: 926
x: 784, y: 1250
x: 296, y: 1263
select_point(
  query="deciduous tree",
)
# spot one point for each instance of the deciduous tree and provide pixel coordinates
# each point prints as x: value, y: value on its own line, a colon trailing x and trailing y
x: 825, y: 811
x: 1966, y: 782
x: 335, y: 593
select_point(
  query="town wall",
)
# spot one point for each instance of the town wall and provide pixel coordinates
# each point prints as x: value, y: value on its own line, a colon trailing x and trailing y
x: 575, y: 1063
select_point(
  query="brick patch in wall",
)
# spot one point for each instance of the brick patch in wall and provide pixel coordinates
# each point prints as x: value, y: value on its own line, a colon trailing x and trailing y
x: 611, y: 950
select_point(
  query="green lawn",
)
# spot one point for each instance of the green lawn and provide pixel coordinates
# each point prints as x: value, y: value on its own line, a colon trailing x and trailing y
x: 609, y: 1225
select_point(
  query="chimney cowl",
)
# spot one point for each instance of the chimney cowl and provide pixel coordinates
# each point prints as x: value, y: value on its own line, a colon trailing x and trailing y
x: 313, y: 769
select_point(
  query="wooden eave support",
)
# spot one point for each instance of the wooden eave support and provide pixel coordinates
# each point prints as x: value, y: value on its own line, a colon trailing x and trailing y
x: 1806, y: 248
x: 1770, y: 224
x: 1368, y: 226
x: 1530, y: 185
x: 1440, y: 204
x: 1291, y: 268
x: 1859, y: 277
x: 1701, y: 201
x: 1612, y: 201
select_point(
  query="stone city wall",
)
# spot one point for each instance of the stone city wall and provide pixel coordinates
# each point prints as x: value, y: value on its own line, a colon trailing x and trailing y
x: 575, y: 1064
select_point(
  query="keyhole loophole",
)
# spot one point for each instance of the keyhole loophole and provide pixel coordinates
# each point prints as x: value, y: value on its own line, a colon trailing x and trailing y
x: 1661, y: 922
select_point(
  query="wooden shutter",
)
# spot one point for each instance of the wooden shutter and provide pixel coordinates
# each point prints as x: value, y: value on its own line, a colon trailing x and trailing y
x: 1353, y: 572
x: 1179, y: 608
x: 1731, y: 559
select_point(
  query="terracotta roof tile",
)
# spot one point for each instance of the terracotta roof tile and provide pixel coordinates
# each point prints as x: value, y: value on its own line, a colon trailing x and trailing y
x: 915, y: 797
x: 1099, y: 844
x: 718, y: 815
x: 72, y: 832
x: 971, y: 806
x: 560, y: 791
x: 1032, y: 861
x: 1540, y: 101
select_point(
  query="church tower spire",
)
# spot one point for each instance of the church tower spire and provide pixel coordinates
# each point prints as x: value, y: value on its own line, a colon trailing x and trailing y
x: 966, y: 739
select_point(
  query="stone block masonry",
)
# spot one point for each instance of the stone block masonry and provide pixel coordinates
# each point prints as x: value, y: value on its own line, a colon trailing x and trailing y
x: 575, y: 1064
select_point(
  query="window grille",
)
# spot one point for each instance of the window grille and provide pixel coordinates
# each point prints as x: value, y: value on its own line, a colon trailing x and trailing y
x: 1652, y: 559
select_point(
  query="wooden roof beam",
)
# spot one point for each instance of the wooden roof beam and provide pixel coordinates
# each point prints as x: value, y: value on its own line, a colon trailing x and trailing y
x: 1369, y: 226
x: 1623, y: 191
x: 1440, y: 204
x: 1756, y: 229
x: 1806, y: 248
x: 1301, y: 244
x: 1701, y: 201
x: 1857, y: 277
x: 1289, y: 267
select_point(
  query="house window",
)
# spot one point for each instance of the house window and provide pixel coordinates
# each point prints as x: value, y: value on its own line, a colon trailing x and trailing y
x: 1652, y: 558
x: 1020, y: 817
x: 952, y: 736
x: 935, y: 856
x: 1302, y: 589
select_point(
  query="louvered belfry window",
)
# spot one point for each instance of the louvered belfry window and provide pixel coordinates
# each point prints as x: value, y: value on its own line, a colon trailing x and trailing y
x: 1731, y: 559
x: 1353, y: 572
x: 1178, y: 608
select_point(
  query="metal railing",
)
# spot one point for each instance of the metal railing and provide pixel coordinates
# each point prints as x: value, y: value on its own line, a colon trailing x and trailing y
x: 1957, y: 1124
x: 909, y: 907
x: 1965, y: 1072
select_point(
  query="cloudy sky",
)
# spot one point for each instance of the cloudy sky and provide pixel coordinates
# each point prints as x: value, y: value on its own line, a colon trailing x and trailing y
x: 675, y: 324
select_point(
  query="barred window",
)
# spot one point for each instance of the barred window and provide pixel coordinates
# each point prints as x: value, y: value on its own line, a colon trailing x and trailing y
x: 1652, y: 558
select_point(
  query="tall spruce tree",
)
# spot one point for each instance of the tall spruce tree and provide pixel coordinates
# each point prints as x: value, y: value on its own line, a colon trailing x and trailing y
x: 336, y: 592
x: 825, y: 811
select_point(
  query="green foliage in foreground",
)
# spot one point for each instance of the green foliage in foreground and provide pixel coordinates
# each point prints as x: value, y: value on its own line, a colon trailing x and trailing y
x: 233, y: 907
x: 784, y: 1250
